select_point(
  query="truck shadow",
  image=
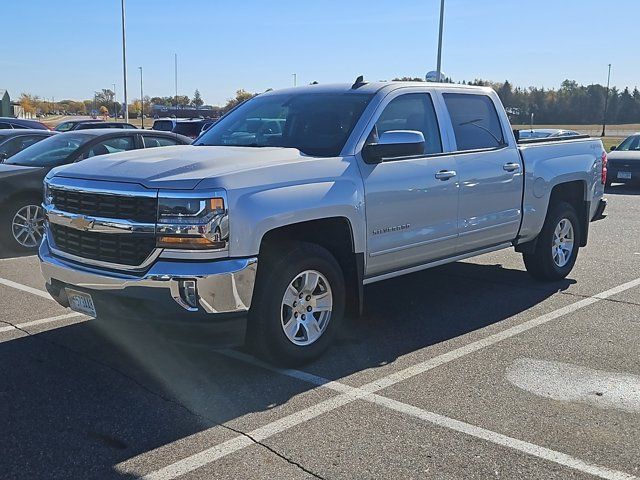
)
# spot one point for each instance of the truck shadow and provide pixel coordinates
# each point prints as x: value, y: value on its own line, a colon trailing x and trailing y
x: 87, y: 397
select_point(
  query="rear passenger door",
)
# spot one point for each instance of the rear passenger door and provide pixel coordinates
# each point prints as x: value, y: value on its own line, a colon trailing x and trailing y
x: 489, y: 171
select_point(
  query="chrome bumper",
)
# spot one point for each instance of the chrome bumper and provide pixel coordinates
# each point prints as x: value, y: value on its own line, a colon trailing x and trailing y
x: 222, y: 286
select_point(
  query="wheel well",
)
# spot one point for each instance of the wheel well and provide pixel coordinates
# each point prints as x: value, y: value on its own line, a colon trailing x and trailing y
x: 334, y: 234
x: 574, y: 194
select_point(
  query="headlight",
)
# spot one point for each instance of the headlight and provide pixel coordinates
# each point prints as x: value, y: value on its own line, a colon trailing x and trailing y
x: 192, y: 223
x: 46, y: 194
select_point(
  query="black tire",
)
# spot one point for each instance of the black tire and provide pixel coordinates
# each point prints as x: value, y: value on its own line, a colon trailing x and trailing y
x: 540, y: 264
x: 7, y: 213
x: 276, y: 270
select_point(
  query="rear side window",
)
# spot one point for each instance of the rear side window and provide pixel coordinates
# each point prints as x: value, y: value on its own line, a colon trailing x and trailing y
x: 111, y: 145
x: 5, y: 126
x: 151, y: 142
x: 190, y: 129
x: 413, y: 111
x: 163, y: 125
x: 475, y: 120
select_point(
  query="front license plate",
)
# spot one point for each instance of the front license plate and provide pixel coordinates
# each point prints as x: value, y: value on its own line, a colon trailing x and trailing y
x: 625, y: 175
x: 81, y: 303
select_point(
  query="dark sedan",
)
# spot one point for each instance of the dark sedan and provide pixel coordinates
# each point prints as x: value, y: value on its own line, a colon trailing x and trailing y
x: 624, y: 161
x: 15, y: 140
x: 21, y: 176
x: 92, y: 125
x: 73, y: 124
x: 7, y: 123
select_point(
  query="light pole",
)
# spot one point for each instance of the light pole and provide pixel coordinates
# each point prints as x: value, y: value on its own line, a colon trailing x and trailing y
x: 606, y: 102
x: 175, y: 59
x: 295, y: 79
x: 115, y: 109
x: 124, y: 65
x: 439, y: 64
x: 141, y: 99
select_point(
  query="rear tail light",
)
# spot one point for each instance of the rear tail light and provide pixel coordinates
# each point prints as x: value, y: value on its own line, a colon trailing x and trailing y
x: 603, y: 175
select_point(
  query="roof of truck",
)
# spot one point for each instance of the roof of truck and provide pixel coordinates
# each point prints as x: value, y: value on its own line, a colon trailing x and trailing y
x: 366, y: 87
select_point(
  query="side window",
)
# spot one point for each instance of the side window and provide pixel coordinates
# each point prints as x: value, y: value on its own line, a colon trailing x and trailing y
x: 111, y: 145
x: 151, y: 142
x: 11, y: 147
x: 18, y: 126
x: 413, y: 111
x: 475, y: 120
x: 5, y: 126
x: 28, y: 140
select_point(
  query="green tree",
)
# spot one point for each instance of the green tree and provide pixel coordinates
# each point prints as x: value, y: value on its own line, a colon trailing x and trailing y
x: 197, y: 99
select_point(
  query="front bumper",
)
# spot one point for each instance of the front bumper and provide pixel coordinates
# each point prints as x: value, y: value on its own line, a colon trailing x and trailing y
x: 223, y: 292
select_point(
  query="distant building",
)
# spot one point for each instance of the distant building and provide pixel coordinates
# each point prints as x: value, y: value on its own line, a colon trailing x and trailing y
x: 5, y: 104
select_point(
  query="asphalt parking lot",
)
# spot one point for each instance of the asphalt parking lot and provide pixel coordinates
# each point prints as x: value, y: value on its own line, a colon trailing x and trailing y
x: 471, y: 370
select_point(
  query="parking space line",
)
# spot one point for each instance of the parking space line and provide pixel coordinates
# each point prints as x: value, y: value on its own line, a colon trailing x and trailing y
x: 350, y: 394
x: 25, y: 288
x: 42, y: 321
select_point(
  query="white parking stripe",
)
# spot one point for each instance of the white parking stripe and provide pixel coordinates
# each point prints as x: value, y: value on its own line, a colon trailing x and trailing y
x: 40, y: 322
x: 349, y: 394
x: 25, y: 288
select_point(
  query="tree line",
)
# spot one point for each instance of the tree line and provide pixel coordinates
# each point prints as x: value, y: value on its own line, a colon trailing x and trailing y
x: 569, y: 104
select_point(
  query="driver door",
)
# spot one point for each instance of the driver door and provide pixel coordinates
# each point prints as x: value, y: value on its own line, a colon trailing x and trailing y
x: 411, y: 208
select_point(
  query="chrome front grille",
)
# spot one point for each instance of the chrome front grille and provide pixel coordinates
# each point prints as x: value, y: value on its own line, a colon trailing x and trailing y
x: 119, y: 249
x: 102, y: 223
x: 137, y: 209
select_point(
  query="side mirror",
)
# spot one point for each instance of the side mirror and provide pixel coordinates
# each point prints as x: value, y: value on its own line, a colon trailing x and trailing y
x: 613, y: 147
x: 394, y: 143
x: 516, y: 133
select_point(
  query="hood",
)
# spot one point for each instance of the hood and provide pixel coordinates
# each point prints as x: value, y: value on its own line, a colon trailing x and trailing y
x: 7, y: 170
x: 619, y: 155
x: 180, y: 167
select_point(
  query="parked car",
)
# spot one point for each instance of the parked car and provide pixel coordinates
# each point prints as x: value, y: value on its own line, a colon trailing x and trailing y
x: 624, y: 161
x: 21, y: 215
x: 10, y: 122
x: 547, y: 133
x: 191, y: 127
x: 15, y: 140
x: 268, y: 235
x: 73, y: 124
x: 90, y: 125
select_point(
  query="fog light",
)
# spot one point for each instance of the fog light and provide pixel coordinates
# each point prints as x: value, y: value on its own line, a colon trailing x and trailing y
x: 189, y: 293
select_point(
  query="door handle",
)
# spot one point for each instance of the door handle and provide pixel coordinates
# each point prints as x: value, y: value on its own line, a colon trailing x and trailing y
x: 511, y: 167
x: 445, y: 174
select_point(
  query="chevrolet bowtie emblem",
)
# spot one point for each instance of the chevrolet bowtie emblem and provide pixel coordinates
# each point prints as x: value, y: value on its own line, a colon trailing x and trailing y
x: 82, y: 223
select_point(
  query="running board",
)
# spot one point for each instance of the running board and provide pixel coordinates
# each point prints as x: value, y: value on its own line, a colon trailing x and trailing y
x: 437, y: 263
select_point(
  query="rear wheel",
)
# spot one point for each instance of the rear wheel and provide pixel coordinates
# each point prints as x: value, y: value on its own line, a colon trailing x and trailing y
x: 557, y: 245
x: 298, y: 304
x: 22, y: 225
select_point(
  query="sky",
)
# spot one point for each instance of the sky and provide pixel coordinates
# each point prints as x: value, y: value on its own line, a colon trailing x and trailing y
x: 67, y: 49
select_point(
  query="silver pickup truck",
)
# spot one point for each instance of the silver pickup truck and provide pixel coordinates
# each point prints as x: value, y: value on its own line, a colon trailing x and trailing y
x: 266, y: 228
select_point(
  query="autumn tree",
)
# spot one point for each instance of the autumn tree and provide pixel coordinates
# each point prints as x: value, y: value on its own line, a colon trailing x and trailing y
x: 241, y: 96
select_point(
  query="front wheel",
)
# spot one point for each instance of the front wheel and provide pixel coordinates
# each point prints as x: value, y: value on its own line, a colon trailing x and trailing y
x: 298, y: 304
x: 557, y: 247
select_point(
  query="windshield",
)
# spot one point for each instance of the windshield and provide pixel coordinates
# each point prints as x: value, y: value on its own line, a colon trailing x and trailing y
x: 315, y: 123
x: 630, y: 144
x: 50, y: 152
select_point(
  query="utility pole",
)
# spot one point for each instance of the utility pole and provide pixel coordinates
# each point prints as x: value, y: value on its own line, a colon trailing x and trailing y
x: 176, y: 80
x: 606, y: 103
x: 124, y: 65
x: 439, y: 64
x: 295, y: 79
x: 115, y: 97
x: 141, y: 99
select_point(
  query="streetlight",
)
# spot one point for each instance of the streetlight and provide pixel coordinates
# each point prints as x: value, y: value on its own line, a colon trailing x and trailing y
x: 124, y: 65
x: 295, y: 79
x: 141, y: 98
x: 439, y: 64
x: 606, y: 101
